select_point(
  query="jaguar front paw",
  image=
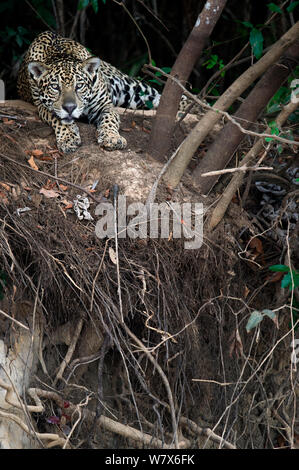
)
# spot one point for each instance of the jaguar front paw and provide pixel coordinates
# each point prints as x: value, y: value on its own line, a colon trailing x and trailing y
x: 112, y: 141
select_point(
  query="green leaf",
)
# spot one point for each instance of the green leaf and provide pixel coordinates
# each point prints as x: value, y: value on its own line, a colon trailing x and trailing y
x: 95, y: 5
x: 279, y: 268
x: 256, y: 40
x: 254, y: 319
x: 292, y: 6
x: 19, y: 40
x: 247, y: 24
x: 269, y: 313
x: 83, y: 4
x: 272, y: 315
x: 274, y: 130
x: 152, y: 80
x: 273, y: 7
x: 273, y: 108
x: 149, y: 104
x: 286, y: 280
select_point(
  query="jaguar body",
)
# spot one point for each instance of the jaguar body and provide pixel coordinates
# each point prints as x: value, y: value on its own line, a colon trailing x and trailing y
x: 65, y: 82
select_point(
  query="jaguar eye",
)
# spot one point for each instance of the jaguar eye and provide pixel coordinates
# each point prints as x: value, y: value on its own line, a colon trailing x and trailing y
x: 55, y: 86
x: 79, y: 86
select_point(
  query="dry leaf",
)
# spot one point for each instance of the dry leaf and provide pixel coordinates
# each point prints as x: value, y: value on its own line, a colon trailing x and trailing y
x: 5, y: 186
x: 246, y: 291
x: 275, y: 277
x: 45, y: 158
x: 7, y: 121
x: 68, y: 206
x: 50, y: 184
x: 32, y: 163
x: 36, y: 152
x: 3, y: 197
x: 236, y: 345
x: 63, y: 187
x: 257, y: 245
x: 112, y: 255
x: 48, y: 192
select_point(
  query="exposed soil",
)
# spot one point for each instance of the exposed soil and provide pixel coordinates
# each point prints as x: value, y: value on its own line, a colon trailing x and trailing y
x: 189, y: 308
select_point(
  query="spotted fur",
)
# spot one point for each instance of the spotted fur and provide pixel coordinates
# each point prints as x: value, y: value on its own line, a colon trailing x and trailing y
x: 65, y: 81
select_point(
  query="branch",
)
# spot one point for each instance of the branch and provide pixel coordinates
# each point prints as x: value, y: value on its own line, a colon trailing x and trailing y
x: 225, y: 113
x: 241, y: 168
x: 206, y: 124
x: 70, y: 351
x: 200, y: 431
x: 164, y: 380
x: 109, y: 424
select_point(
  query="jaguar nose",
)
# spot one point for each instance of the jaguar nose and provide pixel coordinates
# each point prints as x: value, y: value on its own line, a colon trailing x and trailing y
x: 69, y: 107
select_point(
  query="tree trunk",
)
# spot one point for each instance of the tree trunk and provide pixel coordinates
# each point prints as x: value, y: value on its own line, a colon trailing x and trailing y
x: 163, y: 127
x: 18, y: 363
x: 224, y: 147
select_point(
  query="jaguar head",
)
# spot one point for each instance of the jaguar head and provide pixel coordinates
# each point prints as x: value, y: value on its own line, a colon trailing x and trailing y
x: 65, y: 87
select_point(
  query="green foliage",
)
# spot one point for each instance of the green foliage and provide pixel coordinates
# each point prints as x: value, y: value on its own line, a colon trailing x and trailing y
x: 290, y: 280
x: 94, y: 3
x: 292, y: 6
x: 132, y: 67
x: 214, y: 61
x: 256, y: 39
x: 149, y: 104
x: 256, y: 317
x: 44, y: 10
x: 16, y: 39
x: 274, y: 8
x: 282, y: 97
x: 159, y: 74
x: 274, y: 130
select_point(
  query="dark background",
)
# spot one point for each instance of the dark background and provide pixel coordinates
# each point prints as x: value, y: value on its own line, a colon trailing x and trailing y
x: 111, y: 34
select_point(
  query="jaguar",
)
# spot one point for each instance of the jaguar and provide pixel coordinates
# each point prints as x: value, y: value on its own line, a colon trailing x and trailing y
x: 66, y: 82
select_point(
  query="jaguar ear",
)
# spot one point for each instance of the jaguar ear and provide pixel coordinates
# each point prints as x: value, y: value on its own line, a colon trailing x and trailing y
x: 91, y: 65
x: 36, y: 69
